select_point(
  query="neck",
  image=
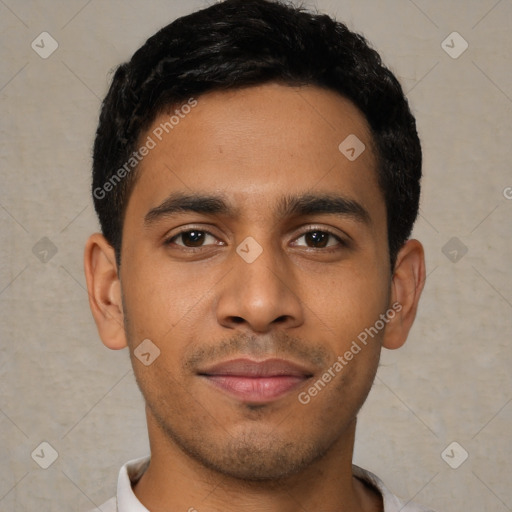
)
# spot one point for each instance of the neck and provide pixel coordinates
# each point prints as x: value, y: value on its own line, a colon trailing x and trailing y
x: 176, y: 481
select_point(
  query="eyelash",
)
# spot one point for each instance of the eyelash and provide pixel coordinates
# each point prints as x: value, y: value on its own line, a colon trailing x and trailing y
x: 341, y: 242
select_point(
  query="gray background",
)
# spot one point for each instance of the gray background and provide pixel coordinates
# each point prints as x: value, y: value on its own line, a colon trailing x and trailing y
x: 450, y: 382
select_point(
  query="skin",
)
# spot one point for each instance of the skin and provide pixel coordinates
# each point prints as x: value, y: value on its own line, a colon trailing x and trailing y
x: 303, y: 298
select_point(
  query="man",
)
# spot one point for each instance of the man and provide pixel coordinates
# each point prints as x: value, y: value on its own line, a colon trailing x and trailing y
x: 256, y: 176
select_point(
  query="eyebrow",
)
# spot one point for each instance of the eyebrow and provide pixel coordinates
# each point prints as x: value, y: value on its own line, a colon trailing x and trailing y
x: 288, y: 206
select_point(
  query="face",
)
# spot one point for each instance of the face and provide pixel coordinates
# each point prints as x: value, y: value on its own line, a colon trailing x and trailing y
x: 254, y: 254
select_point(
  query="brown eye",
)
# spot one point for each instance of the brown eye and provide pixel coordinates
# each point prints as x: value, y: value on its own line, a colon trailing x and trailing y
x: 319, y: 239
x: 192, y: 238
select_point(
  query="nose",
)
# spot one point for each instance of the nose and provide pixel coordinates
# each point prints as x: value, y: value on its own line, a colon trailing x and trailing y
x: 259, y: 295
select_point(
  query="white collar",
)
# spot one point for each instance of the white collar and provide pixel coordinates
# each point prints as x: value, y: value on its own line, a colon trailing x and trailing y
x: 131, y: 472
x: 129, y: 475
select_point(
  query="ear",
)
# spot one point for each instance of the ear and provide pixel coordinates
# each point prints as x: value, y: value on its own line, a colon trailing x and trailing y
x: 406, y: 287
x: 104, y: 288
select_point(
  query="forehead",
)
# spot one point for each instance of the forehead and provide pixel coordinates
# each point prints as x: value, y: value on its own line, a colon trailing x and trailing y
x: 257, y: 144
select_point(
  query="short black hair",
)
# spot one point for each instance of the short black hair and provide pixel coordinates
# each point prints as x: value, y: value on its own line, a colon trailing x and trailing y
x: 239, y: 43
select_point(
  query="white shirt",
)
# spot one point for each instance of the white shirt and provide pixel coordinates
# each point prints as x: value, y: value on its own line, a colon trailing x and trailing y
x: 130, y: 473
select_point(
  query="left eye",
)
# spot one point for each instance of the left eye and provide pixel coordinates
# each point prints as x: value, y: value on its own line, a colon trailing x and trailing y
x: 319, y: 239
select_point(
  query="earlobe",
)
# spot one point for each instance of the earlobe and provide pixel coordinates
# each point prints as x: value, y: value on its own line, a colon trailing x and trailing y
x: 406, y: 287
x: 104, y: 288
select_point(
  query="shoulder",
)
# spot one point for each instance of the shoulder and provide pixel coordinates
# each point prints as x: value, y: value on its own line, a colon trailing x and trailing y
x: 391, y: 502
x: 109, y: 506
x: 129, y: 474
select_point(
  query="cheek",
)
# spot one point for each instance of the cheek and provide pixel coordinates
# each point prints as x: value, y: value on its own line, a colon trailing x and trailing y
x: 348, y: 301
x: 160, y: 296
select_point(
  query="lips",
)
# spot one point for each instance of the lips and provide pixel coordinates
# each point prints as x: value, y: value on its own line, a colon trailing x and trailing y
x: 256, y: 381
